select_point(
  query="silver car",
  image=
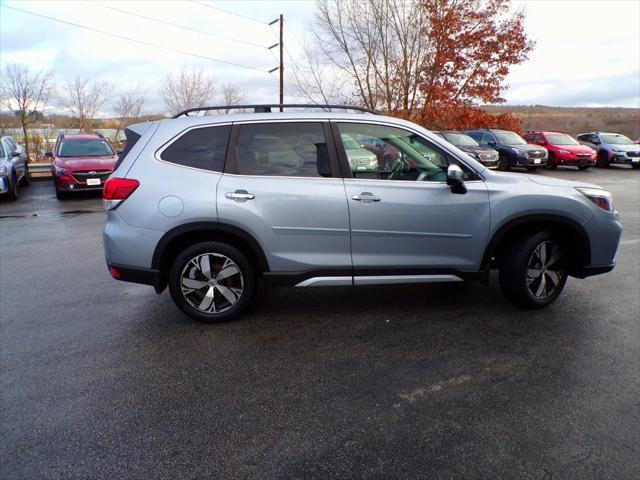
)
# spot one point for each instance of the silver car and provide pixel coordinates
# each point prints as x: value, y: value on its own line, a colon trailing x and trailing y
x: 211, y: 205
x: 14, y: 170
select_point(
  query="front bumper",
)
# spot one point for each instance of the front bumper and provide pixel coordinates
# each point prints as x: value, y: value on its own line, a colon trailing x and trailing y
x: 571, y: 160
x: 623, y: 159
x: 69, y: 183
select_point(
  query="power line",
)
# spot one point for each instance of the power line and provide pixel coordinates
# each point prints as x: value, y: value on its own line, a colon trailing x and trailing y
x: 229, y: 12
x: 142, y: 42
x: 183, y: 27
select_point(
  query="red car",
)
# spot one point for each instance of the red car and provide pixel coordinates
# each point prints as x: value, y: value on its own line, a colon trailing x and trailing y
x: 563, y: 149
x: 81, y: 162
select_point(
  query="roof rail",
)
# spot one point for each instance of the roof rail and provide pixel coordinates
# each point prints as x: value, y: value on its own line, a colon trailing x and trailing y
x: 266, y: 108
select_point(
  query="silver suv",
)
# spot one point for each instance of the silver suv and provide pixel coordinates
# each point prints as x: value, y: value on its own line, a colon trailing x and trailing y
x: 210, y: 205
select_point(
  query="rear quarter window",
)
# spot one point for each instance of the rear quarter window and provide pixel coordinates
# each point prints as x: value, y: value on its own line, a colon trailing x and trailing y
x: 204, y: 148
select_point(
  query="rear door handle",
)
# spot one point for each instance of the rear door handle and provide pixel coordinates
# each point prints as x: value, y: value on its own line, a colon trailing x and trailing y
x: 240, y: 195
x: 366, y: 197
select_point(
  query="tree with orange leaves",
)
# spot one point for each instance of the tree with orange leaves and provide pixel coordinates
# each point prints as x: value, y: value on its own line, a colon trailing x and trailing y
x: 432, y: 61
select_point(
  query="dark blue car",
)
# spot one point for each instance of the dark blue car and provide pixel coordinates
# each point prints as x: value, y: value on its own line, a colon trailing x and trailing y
x: 513, y: 149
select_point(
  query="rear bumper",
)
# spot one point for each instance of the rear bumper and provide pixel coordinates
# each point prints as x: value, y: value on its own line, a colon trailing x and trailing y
x: 590, y: 271
x: 145, y: 276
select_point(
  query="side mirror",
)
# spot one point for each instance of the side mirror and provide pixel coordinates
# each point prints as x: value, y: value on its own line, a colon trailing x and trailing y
x: 48, y: 154
x: 491, y: 143
x: 596, y: 141
x: 455, y: 179
x: 16, y: 153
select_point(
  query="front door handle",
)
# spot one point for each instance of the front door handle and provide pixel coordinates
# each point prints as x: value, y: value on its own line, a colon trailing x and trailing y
x: 240, y: 195
x: 366, y: 197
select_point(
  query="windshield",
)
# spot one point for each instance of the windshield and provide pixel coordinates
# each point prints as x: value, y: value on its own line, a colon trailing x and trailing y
x: 460, y: 140
x: 509, y: 138
x: 349, y: 143
x: 85, y: 148
x: 561, y: 139
x: 616, y: 139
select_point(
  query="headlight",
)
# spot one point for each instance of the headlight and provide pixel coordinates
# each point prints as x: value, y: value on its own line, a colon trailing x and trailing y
x: 564, y: 152
x: 3, y: 170
x: 601, y: 198
x: 60, y: 170
x: 519, y: 152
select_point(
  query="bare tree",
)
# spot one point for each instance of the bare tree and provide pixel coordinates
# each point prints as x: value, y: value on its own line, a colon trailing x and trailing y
x: 190, y: 87
x: 27, y: 94
x: 85, y: 99
x: 128, y: 108
x: 231, y: 96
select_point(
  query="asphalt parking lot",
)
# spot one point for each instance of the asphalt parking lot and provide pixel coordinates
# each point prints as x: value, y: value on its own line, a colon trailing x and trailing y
x: 103, y: 379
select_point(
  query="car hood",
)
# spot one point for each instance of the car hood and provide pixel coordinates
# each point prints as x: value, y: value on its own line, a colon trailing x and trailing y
x: 626, y: 148
x: 575, y: 148
x: 87, y: 163
x: 527, y: 147
x: 472, y: 149
x: 557, y: 182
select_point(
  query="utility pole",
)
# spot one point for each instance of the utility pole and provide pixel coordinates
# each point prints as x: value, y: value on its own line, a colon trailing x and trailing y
x: 281, y: 63
x: 281, y: 67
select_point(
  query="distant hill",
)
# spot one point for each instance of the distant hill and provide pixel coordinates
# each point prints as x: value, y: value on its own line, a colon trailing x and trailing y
x: 575, y: 120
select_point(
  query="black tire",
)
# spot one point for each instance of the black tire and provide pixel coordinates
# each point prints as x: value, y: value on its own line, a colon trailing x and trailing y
x: 550, y: 163
x: 216, y: 252
x: 603, y: 160
x: 12, y: 193
x: 583, y: 167
x: 60, y: 194
x: 516, y: 283
x: 24, y: 181
x: 503, y: 163
x: 635, y: 166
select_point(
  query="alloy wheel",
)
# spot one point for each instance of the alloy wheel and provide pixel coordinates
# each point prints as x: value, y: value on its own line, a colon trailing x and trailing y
x: 545, y: 269
x: 212, y: 283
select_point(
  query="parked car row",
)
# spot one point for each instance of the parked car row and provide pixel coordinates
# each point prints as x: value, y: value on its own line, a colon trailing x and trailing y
x: 503, y: 150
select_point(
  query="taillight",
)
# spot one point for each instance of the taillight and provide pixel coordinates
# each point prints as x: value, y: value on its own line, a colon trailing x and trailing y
x: 118, y: 189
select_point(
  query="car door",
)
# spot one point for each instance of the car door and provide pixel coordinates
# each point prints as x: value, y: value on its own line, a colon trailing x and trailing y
x: 406, y: 224
x: 17, y: 158
x: 281, y: 185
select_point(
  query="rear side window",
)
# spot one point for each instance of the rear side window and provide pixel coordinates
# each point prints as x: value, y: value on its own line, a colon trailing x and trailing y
x: 204, y: 148
x: 283, y: 149
x: 132, y: 139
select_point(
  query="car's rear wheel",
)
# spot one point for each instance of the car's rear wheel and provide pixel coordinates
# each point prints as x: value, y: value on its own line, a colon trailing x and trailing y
x: 551, y: 162
x: 503, y: 163
x: 533, y: 271
x: 603, y: 159
x: 212, y: 282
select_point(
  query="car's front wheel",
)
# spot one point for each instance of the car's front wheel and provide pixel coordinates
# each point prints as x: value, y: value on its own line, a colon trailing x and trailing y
x: 603, y: 160
x: 551, y: 162
x: 533, y: 271
x: 503, y: 163
x: 212, y: 282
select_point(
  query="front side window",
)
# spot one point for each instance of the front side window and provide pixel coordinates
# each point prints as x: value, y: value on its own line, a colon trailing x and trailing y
x: 85, y: 148
x: 204, y: 148
x: 487, y: 139
x: 285, y: 149
x: 391, y: 153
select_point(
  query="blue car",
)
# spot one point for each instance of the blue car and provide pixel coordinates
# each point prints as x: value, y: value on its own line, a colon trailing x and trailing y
x: 13, y: 167
x: 513, y: 150
x: 612, y: 148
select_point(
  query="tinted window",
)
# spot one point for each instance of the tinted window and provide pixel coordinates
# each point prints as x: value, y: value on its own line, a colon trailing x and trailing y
x: 1, y: 150
x: 390, y: 153
x: 283, y: 149
x: 486, y: 138
x: 84, y: 148
x: 203, y: 148
x: 132, y: 139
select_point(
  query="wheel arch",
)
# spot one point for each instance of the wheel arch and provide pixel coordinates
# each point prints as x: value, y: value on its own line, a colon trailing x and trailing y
x: 180, y: 237
x: 570, y: 232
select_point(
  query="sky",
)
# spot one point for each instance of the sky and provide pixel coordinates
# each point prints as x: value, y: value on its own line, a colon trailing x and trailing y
x: 587, y: 52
